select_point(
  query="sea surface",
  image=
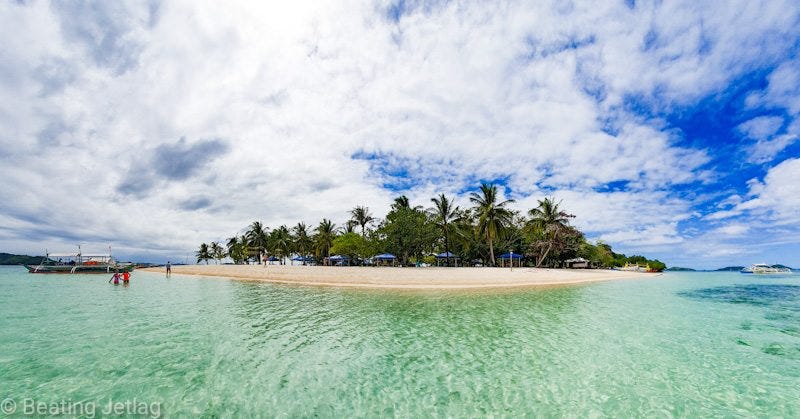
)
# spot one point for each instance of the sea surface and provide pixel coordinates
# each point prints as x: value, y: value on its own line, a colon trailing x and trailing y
x: 681, y: 344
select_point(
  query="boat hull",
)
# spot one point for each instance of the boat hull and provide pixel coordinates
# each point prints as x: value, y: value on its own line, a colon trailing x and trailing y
x: 81, y: 269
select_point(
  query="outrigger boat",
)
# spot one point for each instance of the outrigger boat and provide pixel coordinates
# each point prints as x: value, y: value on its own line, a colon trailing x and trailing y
x: 78, y: 263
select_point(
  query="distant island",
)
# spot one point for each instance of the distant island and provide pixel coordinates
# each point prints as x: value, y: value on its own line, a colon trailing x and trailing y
x: 486, y: 233
x: 9, y: 259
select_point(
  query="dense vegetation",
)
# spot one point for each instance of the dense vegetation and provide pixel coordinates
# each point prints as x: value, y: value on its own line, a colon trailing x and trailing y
x: 474, y: 235
x: 9, y: 259
x: 730, y: 269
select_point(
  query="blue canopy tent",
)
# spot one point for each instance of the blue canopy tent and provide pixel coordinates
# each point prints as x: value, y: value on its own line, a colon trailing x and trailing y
x: 447, y: 256
x: 339, y: 259
x: 511, y: 258
x: 272, y: 259
x: 303, y: 259
x: 386, y: 258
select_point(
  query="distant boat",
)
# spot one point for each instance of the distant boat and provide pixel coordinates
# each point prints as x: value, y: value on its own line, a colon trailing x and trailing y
x: 764, y: 269
x: 78, y: 263
x: 635, y: 267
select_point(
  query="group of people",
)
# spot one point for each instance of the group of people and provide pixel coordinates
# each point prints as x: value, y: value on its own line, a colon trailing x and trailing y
x: 125, y: 277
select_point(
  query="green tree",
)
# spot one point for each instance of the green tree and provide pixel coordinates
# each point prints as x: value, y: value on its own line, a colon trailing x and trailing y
x: 552, y: 225
x: 280, y: 242
x: 257, y: 238
x: 203, y: 254
x: 492, y: 216
x: 323, y: 238
x: 402, y: 202
x: 237, y: 249
x: 406, y: 232
x: 216, y: 252
x: 302, y: 241
x: 351, y: 245
x: 443, y: 214
x: 362, y: 217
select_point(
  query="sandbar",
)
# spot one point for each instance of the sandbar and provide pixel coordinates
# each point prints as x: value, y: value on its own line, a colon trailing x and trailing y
x: 406, y: 278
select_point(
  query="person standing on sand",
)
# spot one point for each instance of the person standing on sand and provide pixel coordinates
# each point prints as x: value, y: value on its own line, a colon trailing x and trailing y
x: 169, y: 269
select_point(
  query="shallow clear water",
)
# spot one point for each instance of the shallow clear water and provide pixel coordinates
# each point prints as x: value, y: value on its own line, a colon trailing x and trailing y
x: 683, y: 344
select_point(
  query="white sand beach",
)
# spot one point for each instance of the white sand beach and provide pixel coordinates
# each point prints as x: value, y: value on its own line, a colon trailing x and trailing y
x: 406, y: 278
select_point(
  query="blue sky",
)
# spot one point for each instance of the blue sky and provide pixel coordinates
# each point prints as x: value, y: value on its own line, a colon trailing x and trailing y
x: 669, y: 128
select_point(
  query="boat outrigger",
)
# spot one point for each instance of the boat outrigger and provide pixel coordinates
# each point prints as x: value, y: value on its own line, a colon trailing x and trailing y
x: 78, y: 263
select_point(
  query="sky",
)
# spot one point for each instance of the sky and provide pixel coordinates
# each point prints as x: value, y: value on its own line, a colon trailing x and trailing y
x: 669, y: 128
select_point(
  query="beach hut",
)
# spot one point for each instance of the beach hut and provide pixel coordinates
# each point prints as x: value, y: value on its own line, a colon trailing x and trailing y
x: 386, y: 259
x: 578, y: 263
x: 511, y: 259
x: 446, y: 257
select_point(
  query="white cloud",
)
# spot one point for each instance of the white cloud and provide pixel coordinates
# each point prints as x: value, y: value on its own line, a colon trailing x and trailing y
x: 762, y: 127
x: 733, y: 229
x: 766, y: 150
x: 777, y: 197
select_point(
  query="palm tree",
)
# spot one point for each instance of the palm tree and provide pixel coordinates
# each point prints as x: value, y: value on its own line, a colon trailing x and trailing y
x: 257, y: 237
x: 238, y: 248
x: 350, y: 226
x: 443, y: 215
x: 326, y: 232
x: 362, y: 217
x: 216, y: 252
x: 493, y: 217
x: 301, y: 239
x: 551, y: 220
x: 280, y: 241
x: 231, y: 244
x: 203, y: 254
x: 401, y: 202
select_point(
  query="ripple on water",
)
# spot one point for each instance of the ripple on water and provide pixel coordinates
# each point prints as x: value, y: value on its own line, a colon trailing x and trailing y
x: 780, y: 305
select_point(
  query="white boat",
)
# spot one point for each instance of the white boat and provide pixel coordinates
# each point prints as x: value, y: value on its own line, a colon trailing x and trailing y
x: 764, y: 269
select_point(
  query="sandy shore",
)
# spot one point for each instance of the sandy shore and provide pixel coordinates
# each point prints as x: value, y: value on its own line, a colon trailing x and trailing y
x: 406, y: 278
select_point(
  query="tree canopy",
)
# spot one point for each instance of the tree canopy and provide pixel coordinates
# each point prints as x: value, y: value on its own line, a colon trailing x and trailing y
x: 475, y: 234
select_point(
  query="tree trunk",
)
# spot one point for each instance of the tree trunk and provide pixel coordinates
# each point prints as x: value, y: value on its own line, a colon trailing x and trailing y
x: 446, y: 245
x: 539, y: 262
x: 491, y: 250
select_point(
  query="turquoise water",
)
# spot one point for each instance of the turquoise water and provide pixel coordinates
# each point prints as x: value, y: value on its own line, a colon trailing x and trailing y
x: 683, y: 344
